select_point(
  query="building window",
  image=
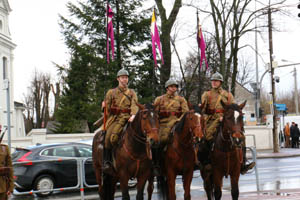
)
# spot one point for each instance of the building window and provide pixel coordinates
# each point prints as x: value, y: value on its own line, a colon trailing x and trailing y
x: 4, y: 59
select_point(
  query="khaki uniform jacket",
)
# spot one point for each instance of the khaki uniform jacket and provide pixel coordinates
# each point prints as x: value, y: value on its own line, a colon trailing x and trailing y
x: 171, y: 103
x: 213, y: 109
x: 5, y: 161
x: 116, y: 98
x: 210, y: 100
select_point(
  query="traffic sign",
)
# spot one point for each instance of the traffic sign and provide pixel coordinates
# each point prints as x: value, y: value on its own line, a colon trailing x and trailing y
x: 280, y: 106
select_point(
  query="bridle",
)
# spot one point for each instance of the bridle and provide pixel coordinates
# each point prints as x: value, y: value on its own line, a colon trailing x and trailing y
x: 234, y: 135
x: 142, y: 138
x: 191, y: 131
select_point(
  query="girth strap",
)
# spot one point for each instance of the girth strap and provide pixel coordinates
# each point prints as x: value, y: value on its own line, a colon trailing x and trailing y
x: 133, y: 158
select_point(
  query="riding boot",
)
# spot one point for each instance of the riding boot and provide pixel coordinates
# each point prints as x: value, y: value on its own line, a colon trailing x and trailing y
x: 210, y: 146
x: 204, y: 154
x: 246, y: 167
x: 107, y: 161
x: 155, y: 161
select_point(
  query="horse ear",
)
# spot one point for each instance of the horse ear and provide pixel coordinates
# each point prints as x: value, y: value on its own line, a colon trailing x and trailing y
x: 141, y: 107
x: 243, y: 105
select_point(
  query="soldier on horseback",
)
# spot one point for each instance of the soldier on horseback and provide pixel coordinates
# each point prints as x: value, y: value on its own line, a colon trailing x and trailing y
x: 171, y: 107
x: 121, y: 106
x: 213, y: 115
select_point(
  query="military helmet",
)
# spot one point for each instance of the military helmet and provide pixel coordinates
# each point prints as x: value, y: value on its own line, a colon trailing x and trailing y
x: 216, y: 77
x: 122, y: 72
x: 171, y: 82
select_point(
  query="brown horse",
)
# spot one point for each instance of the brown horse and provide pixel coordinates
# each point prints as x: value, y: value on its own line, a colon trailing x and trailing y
x: 132, y: 157
x: 226, y: 156
x: 179, y: 158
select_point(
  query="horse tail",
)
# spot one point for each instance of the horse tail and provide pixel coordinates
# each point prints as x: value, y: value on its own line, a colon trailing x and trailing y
x: 162, y: 187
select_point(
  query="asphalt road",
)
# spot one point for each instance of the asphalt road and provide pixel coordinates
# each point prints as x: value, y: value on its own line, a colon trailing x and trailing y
x: 273, y: 173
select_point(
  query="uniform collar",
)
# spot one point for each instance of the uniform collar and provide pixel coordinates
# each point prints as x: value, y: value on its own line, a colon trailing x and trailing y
x: 122, y: 89
x: 171, y: 95
x: 218, y: 90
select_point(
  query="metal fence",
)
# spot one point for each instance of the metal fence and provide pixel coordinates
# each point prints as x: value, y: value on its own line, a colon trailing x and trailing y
x: 81, y: 182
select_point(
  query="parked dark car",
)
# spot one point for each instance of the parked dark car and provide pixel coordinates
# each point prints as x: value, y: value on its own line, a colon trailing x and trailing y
x: 31, y: 173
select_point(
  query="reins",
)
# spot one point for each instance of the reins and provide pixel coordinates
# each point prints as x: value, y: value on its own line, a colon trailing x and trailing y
x: 140, y: 138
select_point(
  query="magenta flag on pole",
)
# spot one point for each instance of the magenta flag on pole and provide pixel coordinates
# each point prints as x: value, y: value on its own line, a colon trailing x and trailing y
x: 202, y: 46
x: 110, y: 34
x: 155, y: 39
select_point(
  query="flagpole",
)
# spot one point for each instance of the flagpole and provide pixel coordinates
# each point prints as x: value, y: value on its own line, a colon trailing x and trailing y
x: 154, y: 66
x: 198, y: 56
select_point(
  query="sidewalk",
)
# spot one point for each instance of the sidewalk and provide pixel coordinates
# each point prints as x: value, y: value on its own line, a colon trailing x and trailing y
x: 283, y: 152
x: 292, y: 194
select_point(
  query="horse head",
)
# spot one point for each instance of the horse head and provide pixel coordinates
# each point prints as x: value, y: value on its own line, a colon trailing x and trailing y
x: 148, y: 123
x: 232, y: 124
x: 195, y: 119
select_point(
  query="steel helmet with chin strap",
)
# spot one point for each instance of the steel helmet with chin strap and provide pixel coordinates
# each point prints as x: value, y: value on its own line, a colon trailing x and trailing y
x: 122, y: 72
x: 216, y: 77
x: 171, y: 82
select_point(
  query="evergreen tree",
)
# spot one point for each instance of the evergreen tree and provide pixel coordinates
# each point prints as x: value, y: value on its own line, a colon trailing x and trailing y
x: 88, y: 75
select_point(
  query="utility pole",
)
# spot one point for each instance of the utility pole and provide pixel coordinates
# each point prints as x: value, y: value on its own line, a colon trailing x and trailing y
x: 257, y: 96
x: 296, y: 91
x: 275, y: 135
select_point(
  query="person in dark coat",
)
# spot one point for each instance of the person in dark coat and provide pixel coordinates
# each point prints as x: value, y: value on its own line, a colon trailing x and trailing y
x: 297, y: 131
x: 293, y: 132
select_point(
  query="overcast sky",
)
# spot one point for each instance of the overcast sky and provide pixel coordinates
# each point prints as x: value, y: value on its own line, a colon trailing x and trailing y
x: 34, y: 29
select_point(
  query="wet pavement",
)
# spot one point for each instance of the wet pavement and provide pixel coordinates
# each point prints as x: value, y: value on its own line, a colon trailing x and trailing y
x: 278, y: 179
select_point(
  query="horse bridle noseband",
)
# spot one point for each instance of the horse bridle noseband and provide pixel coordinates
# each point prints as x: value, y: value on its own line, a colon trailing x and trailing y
x: 143, y: 138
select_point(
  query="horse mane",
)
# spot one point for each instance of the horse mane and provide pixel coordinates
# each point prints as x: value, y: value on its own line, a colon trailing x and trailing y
x: 138, y: 116
x: 149, y: 106
x: 233, y: 106
x: 180, y: 125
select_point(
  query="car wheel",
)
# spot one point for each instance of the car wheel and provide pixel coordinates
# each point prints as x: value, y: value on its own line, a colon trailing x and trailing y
x: 44, y: 182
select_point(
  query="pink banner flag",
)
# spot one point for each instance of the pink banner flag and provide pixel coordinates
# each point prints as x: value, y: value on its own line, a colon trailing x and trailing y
x: 110, y: 34
x: 155, y: 40
x: 202, y: 46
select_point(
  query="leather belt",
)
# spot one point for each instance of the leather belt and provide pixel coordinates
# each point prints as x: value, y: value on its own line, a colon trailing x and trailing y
x: 213, y: 111
x: 117, y: 111
x: 164, y: 114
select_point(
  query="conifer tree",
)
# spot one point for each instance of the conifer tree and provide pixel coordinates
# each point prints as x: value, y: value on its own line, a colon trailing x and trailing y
x: 89, y: 76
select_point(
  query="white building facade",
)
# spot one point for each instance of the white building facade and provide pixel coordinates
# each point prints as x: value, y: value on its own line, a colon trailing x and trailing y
x: 6, y: 74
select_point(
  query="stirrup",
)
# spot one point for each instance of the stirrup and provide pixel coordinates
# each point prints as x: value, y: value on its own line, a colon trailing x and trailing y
x: 208, y: 167
x: 108, y: 168
x: 156, y: 171
x: 247, y: 167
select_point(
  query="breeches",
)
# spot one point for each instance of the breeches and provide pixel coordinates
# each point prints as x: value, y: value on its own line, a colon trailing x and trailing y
x: 113, y: 132
x: 212, y: 124
x: 165, y: 129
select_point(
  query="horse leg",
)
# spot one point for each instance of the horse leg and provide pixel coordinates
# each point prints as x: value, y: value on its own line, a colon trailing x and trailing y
x: 187, y: 180
x: 218, y: 182
x: 141, y: 181
x: 150, y: 187
x: 208, y: 183
x: 171, y: 184
x: 234, y: 180
x: 124, y: 188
